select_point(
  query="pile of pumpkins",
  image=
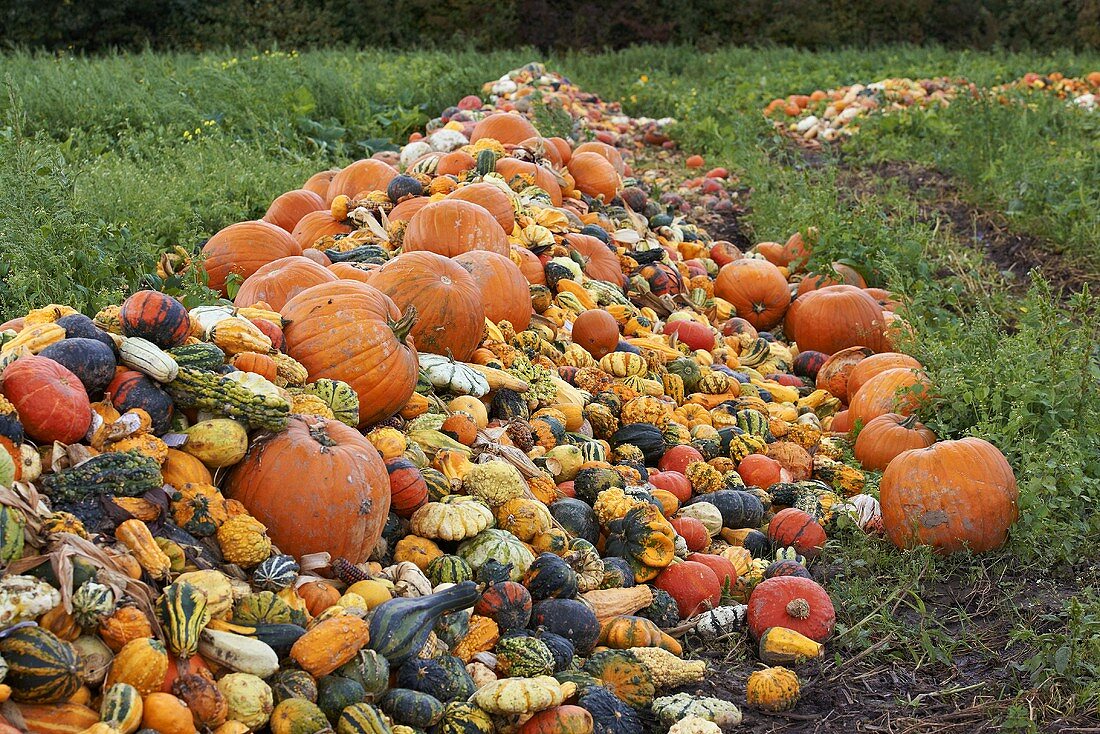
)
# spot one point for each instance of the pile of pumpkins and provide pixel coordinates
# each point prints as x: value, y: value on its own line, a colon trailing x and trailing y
x: 478, y: 440
x: 829, y: 115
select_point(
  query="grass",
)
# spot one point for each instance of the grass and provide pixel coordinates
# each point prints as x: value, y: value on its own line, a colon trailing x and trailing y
x: 110, y: 160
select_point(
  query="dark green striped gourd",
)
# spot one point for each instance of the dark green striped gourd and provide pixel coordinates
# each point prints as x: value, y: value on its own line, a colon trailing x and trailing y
x: 449, y: 569
x: 754, y: 422
x: 438, y: 484
x: 400, y: 627
x: 41, y: 667
x: 293, y: 684
x: 183, y: 614
x: 412, y: 708
x: 370, y: 669
x: 363, y: 718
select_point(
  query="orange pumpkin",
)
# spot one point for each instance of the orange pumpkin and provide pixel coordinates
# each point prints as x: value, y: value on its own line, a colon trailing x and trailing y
x: 842, y: 275
x: 835, y: 317
x: 314, y: 226
x: 834, y: 372
x: 495, y: 201
x: 280, y: 280
x: 257, y: 364
x: 596, y: 331
x: 349, y: 489
x: 595, y: 175
x: 608, y: 152
x: 244, y: 248
x: 756, y: 290
x: 367, y: 174
x: 352, y: 332
x: 796, y: 250
x: 50, y: 400
x: 290, y: 207
x: 318, y: 596
x: 953, y: 495
x: 543, y: 148
x: 404, y: 211
x: 564, y: 151
x: 505, y: 293
x: 600, y: 261
x: 876, y: 364
x: 887, y: 436
x: 452, y: 227
x: 528, y: 264
x: 455, y: 163
x: 542, y: 177
x: 894, y: 391
x: 450, y: 317
x: 319, y: 182
x: 361, y: 272
x: 505, y: 127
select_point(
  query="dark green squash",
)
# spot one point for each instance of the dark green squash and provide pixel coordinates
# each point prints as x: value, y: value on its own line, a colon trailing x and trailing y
x: 688, y: 370
x: 590, y: 482
x: 507, y: 603
x: 573, y: 620
x: 577, y: 517
x: 290, y: 683
x: 662, y: 611
x: 200, y: 356
x: 460, y: 685
x: 449, y: 569
x: 369, y: 669
x: 757, y: 544
x: 646, y: 436
x: 372, y: 254
x: 617, y: 573
x: 279, y: 637
x: 121, y: 473
x: 41, y: 668
x: 402, y: 186
x: 131, y: 389
x: 523, y: 657
x: 508, y: 405
x: 412, y: 708
x: 335, y: 693
x: 550, y: 576
x: 439, y: 486
x: 561, y: 648
x: 710, y: 448
x: 453, y: 626
x: 79, y: 326
x: 577, y: 677
x: 739, y: 508
x: 400, y: 627
x: 609, y: 714
x: 92, y: 361
x: 424, y: 675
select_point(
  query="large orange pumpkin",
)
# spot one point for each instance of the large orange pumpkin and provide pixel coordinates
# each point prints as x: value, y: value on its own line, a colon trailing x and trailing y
x: 834, y: 372
x: 757, y: 291
x: 290, y: 207
x: 318, y: 486
x: 564, y: 151
x: 349, y: 331
x: 842, y: 275
x: 452, y: 227
x: 495, y: 201
x: 597, y: 331
x: 319, y: 182
x: 876, y: 364
x: 50, y: 400
x: 609, y: 152
x: 280, y: 280
x: 836, y: 317
x: 600, y: 262
x: 505, y: 293
x: 367, y: 174
x: 887, y: 436
x: 314, y: 226
x: 952, y: 496
x: 450, y: 317
x: 595, y: 175
x: 455, y: 163
x: 504, y: 127
x: 244, y: 248
x: 542, y: 177
x: 404, y: 211
x: 894, y: 391
x: 361, y: 272
x: 528, y: 264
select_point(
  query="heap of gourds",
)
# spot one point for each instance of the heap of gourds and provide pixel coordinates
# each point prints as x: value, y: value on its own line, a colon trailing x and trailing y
x: 483, y: 437
x: 829, y: 115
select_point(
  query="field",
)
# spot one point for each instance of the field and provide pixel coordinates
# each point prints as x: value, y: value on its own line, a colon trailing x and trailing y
x: 108, y: 161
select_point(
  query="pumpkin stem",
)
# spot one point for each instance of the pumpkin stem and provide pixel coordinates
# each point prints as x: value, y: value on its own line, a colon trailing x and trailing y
x: 403, y: 326
x: 909, y: 422
x: 317, y: 433
x: 798, y: 608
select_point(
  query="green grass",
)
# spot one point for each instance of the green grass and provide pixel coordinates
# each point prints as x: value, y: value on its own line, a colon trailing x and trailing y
x: 107, y: 161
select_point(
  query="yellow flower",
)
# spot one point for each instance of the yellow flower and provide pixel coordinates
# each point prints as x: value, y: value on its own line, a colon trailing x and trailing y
x: 643, y: 79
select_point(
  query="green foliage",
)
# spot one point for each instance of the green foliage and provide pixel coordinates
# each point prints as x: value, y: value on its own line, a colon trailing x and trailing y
x: 1068, y: 652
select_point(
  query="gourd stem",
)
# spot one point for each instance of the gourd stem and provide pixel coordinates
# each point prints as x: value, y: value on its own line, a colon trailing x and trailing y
x: 317, y: 433
x: 798, y: 608
x: 909, y: 422
x: 403, y: 326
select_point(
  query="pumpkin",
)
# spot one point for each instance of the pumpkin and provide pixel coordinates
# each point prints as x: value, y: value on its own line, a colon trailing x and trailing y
x: 531, y: 267
x: 693, y: 532
x: 280, y: 280
x: 50, y: 400
x: 493, y: 199
x: 347, y: 480
x: 759, y: 471
x: 504, y: 290
x: 408, y: 490
x: 897, y: 390
x: 565, y: 719
x: 511, y: 168
x: 367, y: 174
x: 888, y: 435
x: 772, y: 689
x: 41, y: 668
x: 609, y: 152
x: 757, y: 291
x: 620, y: 672
x: 694, y: 586
x: 792, y: 602
x: 841, y: 275
x: 722, y: 567
x: 876, y: 364
x: 599, y: 261
x: 131, y: 389
x: 597, y: 331
x: 316, y: 225
x: 595, y: 176
x: 351, y: 332
x: 470, y: 406
x: 953, y: 495
x: 834, y: 318
x: 507, y: 603
x: 243, y: 248
x: 287, y: 209
x: 446, y: 298
x: 504, y: 127
x: 123, y: 626
x: 796, y: 529
x: 157, y: 317
x: 835, y: 370
x: 142, y: 663
x: 451, y: 227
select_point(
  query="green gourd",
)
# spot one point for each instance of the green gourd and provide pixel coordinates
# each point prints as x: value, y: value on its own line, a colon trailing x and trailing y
x: 400, y: 627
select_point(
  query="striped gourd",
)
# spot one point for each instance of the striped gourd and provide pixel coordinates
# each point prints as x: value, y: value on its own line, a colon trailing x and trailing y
x: 147, y: 358
x: 12, y: 522
x: 362, y: 718
x: 122, y: 708
x: 183, y: 613
x: 41, y: 667
x: 754, y: 422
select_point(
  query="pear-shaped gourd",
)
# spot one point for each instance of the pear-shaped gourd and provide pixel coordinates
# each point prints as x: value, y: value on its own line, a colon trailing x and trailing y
x: 400, y: 627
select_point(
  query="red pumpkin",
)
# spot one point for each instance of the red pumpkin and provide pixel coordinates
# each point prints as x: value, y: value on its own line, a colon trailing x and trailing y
x: 349, y: 331
x: 758, y: 470
x: 953, y: 496
x: 368, y: 174
x: 408, y: 490
x: 833, y: 374
x: 600, y: 261
x: 756, y: 289
x: 157, y: 317
x: 279, y: 281
x: 450, y: 317
x: 316, y: 225
x: 505, y: 293
x: 678, y: 458
x: 50, y: 400
x: 836, y: 317
x: 842, y: 422
x: 890, y: 434
x: 722, y: 567
x: 692, y: 333
x: 244, y: 248
x: 318, y: 486
x: 289, y: 208
x: 793, y: 528
x: 899, y: 390
x: 694, y: 587
x: 596, y: 331
x: 692, y: 531
x: 495, y: 201
x: 885, y: 298
x: 876, y: 364
x: 504, y: 127
x: 566, y: 719
x: 507, y: 603
x: 796, y: 250
x: 672, y: 481
x: 272, y: 331
x: 793, y: 602
x: 451, y: 227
